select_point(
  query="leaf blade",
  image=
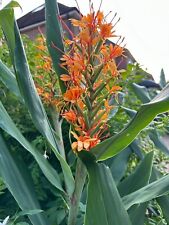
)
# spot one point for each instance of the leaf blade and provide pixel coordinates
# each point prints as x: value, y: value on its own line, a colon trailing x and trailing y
x: 8, y: 126
x: 11, y: 174
x: 136, y: 180
x: 9, y: 80
x: 54, y: 38
x: 105, y: 200
x: 150, y: 191
x: 144, y: 116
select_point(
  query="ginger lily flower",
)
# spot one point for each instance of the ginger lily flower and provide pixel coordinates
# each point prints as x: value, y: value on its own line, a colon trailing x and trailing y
x: 91, y: 79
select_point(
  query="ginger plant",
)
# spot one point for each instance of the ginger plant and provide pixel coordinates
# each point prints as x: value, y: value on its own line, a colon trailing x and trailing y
x: 88, y: 78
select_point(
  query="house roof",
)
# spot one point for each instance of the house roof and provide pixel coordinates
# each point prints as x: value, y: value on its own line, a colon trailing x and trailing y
x: 38, y: 15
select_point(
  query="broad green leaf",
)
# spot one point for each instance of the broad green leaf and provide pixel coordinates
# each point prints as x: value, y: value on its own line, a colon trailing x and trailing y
x: 29, y: 212
x: 135, y: 146
x: 21, y: 223
x: 137, y: 213
x: 12, y: 4
x: 19, y: 184
x: 104, y: 204
x: 54, y: 37
x: 153, y: 134
x: 7, y: 23
x: 147, y: 193
x: 118, y: 164
x: 163, y: 201
x: 36, y: 108
x: 130, y: 112
x: 163, y: 81
x: 9, y: 80
x: 144, y: 116
x: 7, y: 125
x: 139, y: 178
x: 141, y: 92
x: 29, y: 92
x: 158, y: 142
x: 32, y: 100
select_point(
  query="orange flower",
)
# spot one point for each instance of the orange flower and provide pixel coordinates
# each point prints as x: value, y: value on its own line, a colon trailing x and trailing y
x: 76, y: 23
x: 91, y: 77
x: 85, y: 36
x: 115, y: 51
x: 70, y: 116
x: 47, y: 66
x: 111, y: 67
x: 41, y: 47
x: 82, y: 124
x: 40, y: 90
x: 100, y: 17
x: 106, y: 30
x: 65, y: 77
x: 80, y: 104
x: 115, y: 89
x: 73, y: 94
x: 84, y: 142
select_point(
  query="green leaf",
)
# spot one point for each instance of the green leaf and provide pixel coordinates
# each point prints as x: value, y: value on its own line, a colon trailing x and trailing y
x: 139, y: 178
x: 104, y: 205
x: 13, y: 4
x: 164, y: 204
x: 137, y: 213
x: 29, y: 92
x: 163, y: 81
x: 144, y: 116
x: 18, y: 184
x: 163, y: 201
x: 158, y: 142
x: 54, y: 38
x: 136, y: 149
x: 9, y: 80
x: 147, y: 193
x: 7, y: 23
x: 7, y: 125
x: 21, y: 223
x: 29, y: 212
x: 153, y: 134
x: 141, y: 93
x: 130, y: 112
x: 32, y: 100
x: 36, y: 108
x: 118, y: 164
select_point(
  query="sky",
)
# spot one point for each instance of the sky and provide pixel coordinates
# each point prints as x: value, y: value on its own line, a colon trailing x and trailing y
x: 143, y: 23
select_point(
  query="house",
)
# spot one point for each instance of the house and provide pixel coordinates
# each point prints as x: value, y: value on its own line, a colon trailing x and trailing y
x: 34, y: 22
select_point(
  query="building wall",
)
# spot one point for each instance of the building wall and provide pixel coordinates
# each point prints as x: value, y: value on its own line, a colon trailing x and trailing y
x: 32, y: 33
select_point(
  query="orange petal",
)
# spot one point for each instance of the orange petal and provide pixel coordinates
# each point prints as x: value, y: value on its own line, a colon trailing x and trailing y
x: 65, y: 77
x: 79, y: 146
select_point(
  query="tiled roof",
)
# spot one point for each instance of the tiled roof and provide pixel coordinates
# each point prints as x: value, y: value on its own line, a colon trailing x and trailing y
x: 38, y: 15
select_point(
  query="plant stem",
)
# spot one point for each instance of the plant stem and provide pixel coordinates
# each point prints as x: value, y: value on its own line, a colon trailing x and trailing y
x: 80, y: 178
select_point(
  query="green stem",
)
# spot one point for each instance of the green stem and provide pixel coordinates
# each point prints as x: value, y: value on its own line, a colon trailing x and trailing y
x: 80, y: 178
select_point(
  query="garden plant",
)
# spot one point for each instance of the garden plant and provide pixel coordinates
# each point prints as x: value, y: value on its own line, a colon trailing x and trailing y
x: 78, y: 85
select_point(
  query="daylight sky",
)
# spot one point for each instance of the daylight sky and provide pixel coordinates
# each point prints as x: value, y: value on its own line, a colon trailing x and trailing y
x: 144, y: 24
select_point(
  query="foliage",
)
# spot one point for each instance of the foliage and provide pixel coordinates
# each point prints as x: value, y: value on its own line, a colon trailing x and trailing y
x: 87, y: 75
